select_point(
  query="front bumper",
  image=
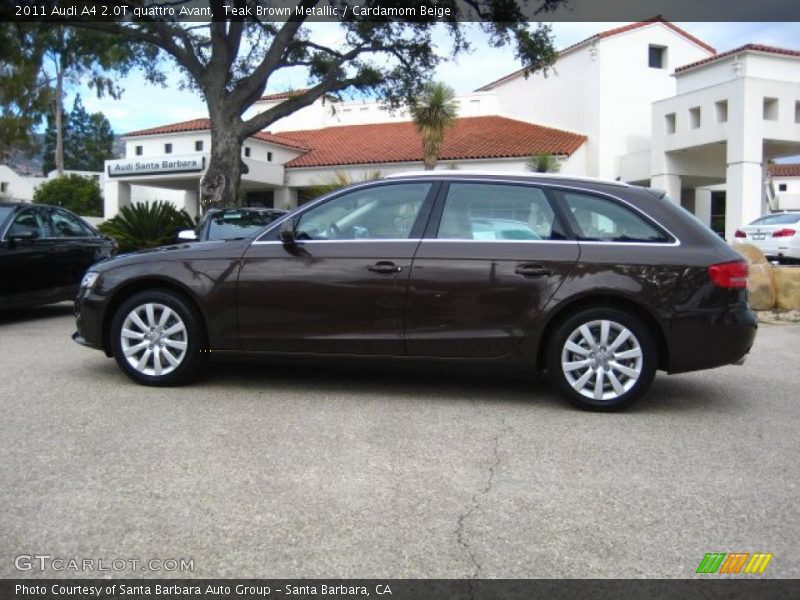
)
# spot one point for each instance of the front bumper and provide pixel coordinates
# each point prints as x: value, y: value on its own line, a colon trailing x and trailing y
x: 89, y: 315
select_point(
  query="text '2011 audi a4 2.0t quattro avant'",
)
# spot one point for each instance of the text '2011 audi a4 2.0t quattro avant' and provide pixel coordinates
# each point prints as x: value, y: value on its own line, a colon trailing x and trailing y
x: 598, y: 283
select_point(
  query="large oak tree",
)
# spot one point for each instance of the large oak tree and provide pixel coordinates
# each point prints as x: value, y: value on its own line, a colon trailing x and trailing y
x: 231, y: 62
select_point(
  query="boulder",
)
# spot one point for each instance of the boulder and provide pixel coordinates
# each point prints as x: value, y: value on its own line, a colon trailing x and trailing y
x: 753, y: 255
x: 761, y: 287
x: 787, y: 284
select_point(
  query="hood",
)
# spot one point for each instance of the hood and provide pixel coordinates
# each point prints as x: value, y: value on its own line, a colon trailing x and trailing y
x: 191, y: 250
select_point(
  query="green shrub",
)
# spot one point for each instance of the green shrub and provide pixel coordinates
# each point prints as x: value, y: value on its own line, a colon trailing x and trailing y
x: 142, y: 226
x: 79, y: 194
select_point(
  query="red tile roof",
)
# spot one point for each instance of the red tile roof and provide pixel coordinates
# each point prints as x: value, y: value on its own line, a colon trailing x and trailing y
x: 205, y: 125
x: 785, y: 170
x: 283, y: 95
x: 610, y: 33
x: 470, y: 138
x: 192, y: 125
x: 745, y: 48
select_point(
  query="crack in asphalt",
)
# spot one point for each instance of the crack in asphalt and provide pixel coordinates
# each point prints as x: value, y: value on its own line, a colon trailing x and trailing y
x: 460, y: 537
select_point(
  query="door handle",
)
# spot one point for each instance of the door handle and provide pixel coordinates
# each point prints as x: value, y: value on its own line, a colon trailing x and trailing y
x: 384, y: 268
x: 532, y: 270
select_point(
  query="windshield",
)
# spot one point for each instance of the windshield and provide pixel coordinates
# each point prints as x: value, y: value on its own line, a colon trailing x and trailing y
x: 239, y: 223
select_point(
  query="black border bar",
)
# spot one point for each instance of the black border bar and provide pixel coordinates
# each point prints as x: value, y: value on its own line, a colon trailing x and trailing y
x: 734, y: 588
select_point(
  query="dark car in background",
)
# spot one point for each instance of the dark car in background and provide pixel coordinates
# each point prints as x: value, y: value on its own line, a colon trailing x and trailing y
x: 231, y: 224
x: 598, y: 283
x: 44, y: 252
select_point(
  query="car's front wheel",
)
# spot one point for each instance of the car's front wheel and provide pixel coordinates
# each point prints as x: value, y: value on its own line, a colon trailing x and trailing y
x: 601, y: 358
x: 157, y: 338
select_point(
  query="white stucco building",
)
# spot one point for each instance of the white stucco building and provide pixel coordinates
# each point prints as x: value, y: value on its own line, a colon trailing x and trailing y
x: 647, y: 103
x: 19, y: 186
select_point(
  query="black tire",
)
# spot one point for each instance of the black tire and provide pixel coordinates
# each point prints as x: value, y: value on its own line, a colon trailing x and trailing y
x: 178, y: 345
x: 574, y: 366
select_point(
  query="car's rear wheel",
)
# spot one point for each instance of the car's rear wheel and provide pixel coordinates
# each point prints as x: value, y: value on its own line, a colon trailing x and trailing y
x: 157, y: 338
x: 601, y: 358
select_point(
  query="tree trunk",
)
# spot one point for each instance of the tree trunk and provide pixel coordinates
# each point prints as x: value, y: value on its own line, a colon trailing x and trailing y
x: 219, y: 187
x: 59, y: 103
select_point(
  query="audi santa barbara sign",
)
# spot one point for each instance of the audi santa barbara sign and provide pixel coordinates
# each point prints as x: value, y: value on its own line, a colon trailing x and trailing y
x: 155, y: 166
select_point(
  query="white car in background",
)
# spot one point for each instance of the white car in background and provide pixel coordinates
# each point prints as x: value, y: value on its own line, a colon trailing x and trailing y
x: 776, y: 235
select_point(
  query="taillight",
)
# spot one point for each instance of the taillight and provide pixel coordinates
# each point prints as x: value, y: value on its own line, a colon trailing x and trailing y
x: 786, y: 232
x: 740, y: 234
x: 729, y: 274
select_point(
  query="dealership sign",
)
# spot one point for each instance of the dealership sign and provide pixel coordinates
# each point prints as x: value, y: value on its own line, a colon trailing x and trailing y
x: 155, y: 166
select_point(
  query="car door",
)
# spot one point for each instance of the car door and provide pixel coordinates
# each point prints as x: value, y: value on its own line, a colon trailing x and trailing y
x: 75, y: 247
x: 27, y: 271
x: 492, y: 257
x: 340, y: 287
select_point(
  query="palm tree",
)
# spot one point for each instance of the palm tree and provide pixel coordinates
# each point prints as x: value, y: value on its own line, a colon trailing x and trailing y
x: 434, y: 112
x: 543, y: 163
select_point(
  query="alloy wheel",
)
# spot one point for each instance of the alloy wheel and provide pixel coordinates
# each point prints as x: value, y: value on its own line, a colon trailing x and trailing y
x: 602, y: 360
x: 153, y: 339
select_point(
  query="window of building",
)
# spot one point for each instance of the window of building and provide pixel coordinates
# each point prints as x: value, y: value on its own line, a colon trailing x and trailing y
x: 167, y: 148
x: 657, y: 57
x: 669, y: 122
x: 3, y: 187
x: 198, y: 146
x: 139, y: 150
x: 781, y: 187
x: 721, y: 109
x: 694, y: 117
x: 797, y: 112
x: 718, y: 213
x: 269, y: 156
x: 247, y: 151
x: 770, y: 109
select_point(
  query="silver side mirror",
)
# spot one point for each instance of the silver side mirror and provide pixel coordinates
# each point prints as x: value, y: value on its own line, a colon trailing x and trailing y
x: 187, y: 235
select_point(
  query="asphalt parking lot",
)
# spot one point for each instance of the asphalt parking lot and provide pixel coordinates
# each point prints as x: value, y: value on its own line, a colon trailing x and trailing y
x: 276, y: 471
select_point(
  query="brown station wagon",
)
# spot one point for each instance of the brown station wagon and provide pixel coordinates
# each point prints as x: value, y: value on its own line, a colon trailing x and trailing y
x: 597, y: 283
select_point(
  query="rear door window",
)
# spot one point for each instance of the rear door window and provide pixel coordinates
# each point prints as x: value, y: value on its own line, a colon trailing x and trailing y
x: 500, y: 212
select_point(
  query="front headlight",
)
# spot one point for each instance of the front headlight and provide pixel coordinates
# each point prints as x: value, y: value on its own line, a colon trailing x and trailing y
x: 88, y: 280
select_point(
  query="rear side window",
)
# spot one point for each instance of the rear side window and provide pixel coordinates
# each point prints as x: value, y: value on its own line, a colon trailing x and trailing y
x: 65, y: 225
x: 485, y: 211
x: 593, y: 218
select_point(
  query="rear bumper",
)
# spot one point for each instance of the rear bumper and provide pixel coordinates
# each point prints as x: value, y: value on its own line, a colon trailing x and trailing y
x: 708, y: 340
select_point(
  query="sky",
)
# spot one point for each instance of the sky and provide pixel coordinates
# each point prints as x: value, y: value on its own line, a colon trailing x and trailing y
x: 143, y: 105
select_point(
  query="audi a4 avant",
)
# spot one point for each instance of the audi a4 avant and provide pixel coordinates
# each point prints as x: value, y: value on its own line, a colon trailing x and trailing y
x: 599, y: 284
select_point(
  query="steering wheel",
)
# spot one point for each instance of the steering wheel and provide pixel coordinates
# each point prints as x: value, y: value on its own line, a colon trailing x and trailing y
x: 333, y: 231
